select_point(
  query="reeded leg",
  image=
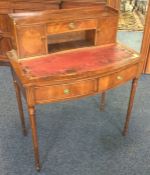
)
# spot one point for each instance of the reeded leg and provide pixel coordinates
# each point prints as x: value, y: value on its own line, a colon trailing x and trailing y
x: 132, y: 95
x: 102, y: 101
x: 31, y: 110
x: 18, y: 95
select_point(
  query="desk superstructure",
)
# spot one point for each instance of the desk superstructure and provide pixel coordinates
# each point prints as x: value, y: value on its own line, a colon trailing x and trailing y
x: 60, y: 55
x: 23, y: 6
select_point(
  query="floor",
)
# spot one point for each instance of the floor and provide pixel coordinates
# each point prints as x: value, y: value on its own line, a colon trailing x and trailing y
x: 75, y: 137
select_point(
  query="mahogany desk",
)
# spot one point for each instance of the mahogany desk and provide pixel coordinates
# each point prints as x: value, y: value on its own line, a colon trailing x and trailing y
x: 49, y: 65
x: 72, y: 74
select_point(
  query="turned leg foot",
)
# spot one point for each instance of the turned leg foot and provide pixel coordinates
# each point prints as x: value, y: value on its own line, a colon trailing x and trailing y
x: 102, y: 101
x: 38, y: 169
x: 130, y: 106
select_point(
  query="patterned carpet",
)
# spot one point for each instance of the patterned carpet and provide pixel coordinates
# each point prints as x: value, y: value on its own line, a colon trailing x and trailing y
x: 131, y: 21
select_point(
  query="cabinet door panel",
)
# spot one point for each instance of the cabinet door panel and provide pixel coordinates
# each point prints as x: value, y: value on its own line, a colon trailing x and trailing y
x: 107, y: 30
x: 31, y: 41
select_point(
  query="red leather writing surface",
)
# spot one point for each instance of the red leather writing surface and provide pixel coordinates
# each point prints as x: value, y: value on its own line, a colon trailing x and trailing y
x: 76, y: 61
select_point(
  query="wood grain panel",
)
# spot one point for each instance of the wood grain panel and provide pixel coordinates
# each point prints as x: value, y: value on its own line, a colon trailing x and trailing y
x: 107, y: 28
x: 31, y: 41
x: 64, y: 91
x: 62, y: 27
x: 118, y: 78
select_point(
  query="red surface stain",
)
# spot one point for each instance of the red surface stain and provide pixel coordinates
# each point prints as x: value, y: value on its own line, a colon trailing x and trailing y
x: 76, y: 61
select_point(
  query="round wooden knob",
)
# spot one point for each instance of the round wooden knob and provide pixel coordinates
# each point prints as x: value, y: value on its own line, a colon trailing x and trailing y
x: 72, y: 26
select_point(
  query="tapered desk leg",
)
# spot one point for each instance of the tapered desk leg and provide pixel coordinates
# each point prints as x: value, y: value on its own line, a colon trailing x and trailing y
x: 102, y: 101
x: 34, y: 136
x: 17, y: 89
x: 130, y: 106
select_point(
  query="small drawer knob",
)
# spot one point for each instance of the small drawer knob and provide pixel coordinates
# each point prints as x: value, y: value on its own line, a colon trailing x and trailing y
x: 72, y: 26
x: 119, y: 77
x: 66, y: 91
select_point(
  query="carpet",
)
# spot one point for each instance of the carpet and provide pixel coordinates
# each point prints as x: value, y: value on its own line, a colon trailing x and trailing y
x: 131, y: 21
x: 131, y: 18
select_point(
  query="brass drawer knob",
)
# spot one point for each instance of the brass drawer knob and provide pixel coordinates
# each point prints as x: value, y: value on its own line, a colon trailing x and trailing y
x: 72, y: 26
x: 43, y: 37
x: 66, y: 91
x: 119, y: 77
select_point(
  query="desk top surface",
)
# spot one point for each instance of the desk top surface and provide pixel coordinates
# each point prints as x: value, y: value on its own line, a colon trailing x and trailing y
x: 77, y: 61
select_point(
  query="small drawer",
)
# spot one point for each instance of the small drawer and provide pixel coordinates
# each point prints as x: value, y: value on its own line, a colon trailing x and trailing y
x: 64, y: 91
x: 62, y: 27
x: 118, y: 78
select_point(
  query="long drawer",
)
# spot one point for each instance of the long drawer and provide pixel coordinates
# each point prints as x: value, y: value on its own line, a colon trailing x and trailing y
x: 64, y: 91
x: 62, y: 27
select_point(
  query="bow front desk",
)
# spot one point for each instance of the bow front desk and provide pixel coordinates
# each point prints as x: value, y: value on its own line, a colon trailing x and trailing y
x: 62, y: 56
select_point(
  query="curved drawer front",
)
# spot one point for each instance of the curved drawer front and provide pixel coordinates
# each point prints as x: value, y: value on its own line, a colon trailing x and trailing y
x: 62, y: 27
x: 64, y: 91
x: 118, y: 78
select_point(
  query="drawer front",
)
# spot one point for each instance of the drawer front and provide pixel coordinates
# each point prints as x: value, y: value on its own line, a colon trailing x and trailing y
x: 64, y: 91
x: 71, y: 26
x: 118, y: 78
